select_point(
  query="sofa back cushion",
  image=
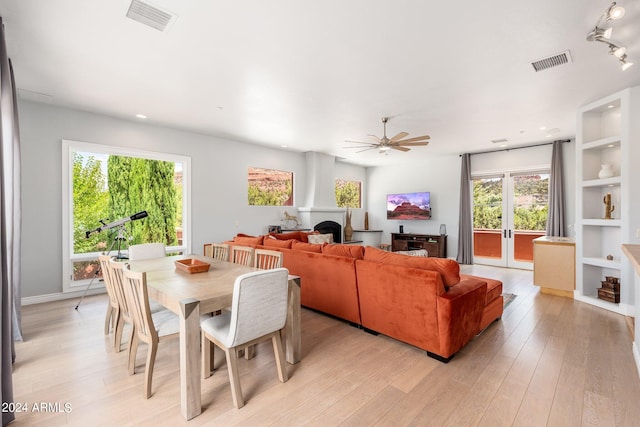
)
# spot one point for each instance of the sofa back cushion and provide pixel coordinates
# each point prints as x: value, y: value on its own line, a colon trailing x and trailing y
x: 449, y: 268
x: 273, y: 242
x: 349, y: 251
x: 296, y: 235
x: 307, y: 247
x: 247, y: 240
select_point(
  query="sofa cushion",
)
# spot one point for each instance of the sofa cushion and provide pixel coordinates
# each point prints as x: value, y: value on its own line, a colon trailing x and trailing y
x: 449, y: 268
x: 246, y: 240
x: 416, y: 252
x: 287, y: 236
x: 350, y: 251
x: 494, y: 287
x: 277, y: 243
x: 307, y: 247
x: 320, y: 238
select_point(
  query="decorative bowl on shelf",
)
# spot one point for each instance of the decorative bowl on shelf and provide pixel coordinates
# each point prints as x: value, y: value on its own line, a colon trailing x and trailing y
x: 192, y: 265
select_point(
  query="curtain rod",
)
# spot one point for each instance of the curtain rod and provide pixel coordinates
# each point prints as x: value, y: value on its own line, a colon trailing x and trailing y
x: 518, y: 148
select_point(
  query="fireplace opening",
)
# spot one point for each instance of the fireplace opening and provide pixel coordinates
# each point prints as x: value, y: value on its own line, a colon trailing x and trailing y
x: 326, y: 227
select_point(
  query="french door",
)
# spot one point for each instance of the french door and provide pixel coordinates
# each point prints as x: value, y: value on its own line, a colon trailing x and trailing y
x: 509, y: 211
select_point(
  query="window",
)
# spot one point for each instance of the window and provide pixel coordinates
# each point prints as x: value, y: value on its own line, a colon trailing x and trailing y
x: 270, y: 187
x: 348, y: 193
x: 105, y: 191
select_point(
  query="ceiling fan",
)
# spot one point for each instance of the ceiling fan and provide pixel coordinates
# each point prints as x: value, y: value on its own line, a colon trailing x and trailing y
x: 385, y: 144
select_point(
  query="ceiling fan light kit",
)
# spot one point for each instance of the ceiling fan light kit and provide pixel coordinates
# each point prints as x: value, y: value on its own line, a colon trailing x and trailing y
x: 397, y: 142
x: 603, y: 35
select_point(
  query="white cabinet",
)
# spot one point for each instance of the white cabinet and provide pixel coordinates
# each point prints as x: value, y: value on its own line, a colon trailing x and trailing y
x: 605, y: 135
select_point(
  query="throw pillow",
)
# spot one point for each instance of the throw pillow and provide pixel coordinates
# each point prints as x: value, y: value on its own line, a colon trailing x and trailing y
x: 304, y: 235
x: 349, y: 251
x: 320, y: 238
x: 307, y: 247
x: 449, y: 268
x: 417, y: 252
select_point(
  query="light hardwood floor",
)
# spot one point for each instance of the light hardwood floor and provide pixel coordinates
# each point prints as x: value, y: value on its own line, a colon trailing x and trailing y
x: 549, y: 361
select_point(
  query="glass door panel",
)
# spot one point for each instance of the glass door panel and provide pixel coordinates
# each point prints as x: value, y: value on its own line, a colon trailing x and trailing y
x: 488, y: 200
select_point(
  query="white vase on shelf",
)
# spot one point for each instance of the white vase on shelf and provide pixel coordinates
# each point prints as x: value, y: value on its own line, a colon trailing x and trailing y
x: 606, y: 171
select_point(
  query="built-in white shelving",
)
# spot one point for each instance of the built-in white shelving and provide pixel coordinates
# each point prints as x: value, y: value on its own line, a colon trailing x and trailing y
x: 603, y: 137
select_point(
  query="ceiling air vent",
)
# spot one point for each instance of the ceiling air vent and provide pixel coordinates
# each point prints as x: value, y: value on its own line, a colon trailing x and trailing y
x: 500, y: 141
x: 552, y: 61
x: 150, y: 15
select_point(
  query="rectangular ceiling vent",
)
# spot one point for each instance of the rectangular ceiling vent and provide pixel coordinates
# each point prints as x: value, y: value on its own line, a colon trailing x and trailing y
x: 552, y: 61
x: 150, y: 15
x: 500, y: 141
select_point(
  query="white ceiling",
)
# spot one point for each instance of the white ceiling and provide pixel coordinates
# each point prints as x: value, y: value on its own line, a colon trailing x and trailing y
x: 310, y: 74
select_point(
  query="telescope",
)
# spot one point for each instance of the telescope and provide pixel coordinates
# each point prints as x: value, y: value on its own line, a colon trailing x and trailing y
x: 139, y: 215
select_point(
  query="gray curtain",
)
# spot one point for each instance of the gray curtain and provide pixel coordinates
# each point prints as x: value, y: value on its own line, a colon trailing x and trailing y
x: 465, y: 224
x: 10, y: 223
x: 556, y: 218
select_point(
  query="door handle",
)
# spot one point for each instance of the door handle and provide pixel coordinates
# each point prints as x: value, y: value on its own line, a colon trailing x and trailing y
x: 504, y: 233
x: 509, y: 233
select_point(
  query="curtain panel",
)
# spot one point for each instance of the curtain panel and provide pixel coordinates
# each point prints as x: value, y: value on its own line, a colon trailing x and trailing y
x: 10, y: 225
x: 465, y: 223
x: 556, y: 218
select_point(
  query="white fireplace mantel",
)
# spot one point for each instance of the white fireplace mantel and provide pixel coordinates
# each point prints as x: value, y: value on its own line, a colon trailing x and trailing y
x: 312, y: 216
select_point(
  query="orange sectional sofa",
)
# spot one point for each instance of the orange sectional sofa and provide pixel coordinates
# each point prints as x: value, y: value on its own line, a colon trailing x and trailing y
x: 421, y: 301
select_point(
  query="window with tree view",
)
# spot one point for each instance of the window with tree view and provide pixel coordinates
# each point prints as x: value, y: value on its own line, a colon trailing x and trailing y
x: 348, y: 193
x: 108, y: 185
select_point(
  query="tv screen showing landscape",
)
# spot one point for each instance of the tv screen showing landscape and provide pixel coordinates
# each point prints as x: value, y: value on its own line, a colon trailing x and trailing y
x: 409, y: 206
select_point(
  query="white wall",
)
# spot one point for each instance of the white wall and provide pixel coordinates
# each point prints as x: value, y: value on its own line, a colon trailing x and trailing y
x: 441, y: 176
x: 219, y: 182
x: 438, y: 175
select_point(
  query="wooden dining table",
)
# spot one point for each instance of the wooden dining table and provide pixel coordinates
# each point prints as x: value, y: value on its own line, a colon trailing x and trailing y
x: 191, y: 294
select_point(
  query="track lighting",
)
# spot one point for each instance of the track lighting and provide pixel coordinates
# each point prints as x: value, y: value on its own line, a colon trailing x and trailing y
x: 603, y: 35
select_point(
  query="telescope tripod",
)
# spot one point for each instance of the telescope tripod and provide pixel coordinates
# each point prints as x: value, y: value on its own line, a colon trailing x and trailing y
x: 121, y: 237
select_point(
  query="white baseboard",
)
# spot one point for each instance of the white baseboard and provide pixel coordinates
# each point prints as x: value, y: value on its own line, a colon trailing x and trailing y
x: 38, y: 299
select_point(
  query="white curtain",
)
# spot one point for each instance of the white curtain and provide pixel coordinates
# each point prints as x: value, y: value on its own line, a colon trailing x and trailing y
x: 10, y: 223
x: 556, y: 218
x: 465, y: 224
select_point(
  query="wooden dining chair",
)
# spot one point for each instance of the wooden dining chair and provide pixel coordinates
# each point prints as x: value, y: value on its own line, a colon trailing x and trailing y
x: 258, y: 313
x: 150, y: 328
x: 115, y: 270
x: 147, y: 251
x: 266, y: 259
x: 219, y: 251
x: 242, y: 255
x: 113, y: 309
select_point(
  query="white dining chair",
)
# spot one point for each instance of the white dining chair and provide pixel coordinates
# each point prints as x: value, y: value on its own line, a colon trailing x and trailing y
x: 258, y: 313
x: 146, y: 251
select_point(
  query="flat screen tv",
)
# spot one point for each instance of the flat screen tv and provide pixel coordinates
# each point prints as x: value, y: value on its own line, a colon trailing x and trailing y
x: 409, y: 206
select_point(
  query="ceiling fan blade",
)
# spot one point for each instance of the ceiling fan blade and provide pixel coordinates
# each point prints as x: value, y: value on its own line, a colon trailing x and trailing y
x: 411, y: 144
x: 399, y: 136
x: 375, y: 137
x: 396, y: 147
x: 417, y: 138
x: 367, y: 149
x: 360, y: 142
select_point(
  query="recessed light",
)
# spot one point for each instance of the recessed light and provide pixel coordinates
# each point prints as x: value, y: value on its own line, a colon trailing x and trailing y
x: 610, y: 106
x: 543, y: 127
x: 610, y: 145
x: 141, y: 116
x: 504, y: 145
x: 220, y: 108
x: 548, y: 136
x: 284, y: 146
